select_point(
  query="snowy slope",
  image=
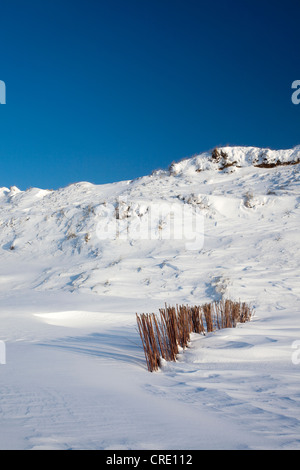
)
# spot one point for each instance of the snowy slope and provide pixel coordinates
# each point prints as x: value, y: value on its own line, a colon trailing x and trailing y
x: 78, y: 263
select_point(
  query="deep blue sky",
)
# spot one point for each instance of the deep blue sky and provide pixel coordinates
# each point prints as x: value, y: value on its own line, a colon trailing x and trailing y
x: 103, y: 91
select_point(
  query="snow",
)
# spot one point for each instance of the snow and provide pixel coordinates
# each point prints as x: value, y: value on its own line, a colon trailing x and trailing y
x: 78, y: 263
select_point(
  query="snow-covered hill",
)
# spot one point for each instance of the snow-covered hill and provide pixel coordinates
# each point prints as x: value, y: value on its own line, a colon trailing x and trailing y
x: 77, y: 264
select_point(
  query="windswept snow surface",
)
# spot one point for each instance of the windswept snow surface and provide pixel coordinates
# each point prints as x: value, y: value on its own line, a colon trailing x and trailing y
x: 78, y: 263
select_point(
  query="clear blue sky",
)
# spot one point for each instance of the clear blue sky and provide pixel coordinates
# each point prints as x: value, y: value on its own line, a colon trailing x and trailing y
x: 103, y: 91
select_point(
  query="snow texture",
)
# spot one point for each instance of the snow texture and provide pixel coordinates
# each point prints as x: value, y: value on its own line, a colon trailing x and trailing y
x: 77, y: 264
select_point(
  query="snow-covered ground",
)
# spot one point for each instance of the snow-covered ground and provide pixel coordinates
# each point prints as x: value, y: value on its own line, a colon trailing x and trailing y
x: 78, y: 263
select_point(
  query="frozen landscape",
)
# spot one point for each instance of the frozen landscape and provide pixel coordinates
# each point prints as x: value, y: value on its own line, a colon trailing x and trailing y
x: 78, y: 263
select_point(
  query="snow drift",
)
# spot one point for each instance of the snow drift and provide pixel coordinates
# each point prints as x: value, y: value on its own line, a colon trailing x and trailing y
x: 74, y: 274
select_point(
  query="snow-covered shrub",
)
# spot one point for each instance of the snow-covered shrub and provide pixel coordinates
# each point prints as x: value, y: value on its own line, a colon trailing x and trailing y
x: 249, y: 200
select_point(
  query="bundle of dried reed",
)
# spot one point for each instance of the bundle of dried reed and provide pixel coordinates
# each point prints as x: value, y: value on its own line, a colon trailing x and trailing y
x: 162, y: 336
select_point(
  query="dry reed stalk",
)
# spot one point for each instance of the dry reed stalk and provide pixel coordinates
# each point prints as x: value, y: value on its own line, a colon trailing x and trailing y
x: 184, y: 325
x: 169, y: 322
x: 149, y: 342
x: 197, y: 320
x: 245, y: 313
x: 206, y: 308
x: 218, y: 315
x: 228, y: 309
x: 155, y: 351
x: 236, y: 309
x: 141, y: 328
x: 160, y: 338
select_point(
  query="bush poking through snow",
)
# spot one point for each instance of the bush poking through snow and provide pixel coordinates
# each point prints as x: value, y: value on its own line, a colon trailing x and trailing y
x: 249, y: 200
x: 71, y: 235
x: 162, y: 336
x: 219, y: 156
